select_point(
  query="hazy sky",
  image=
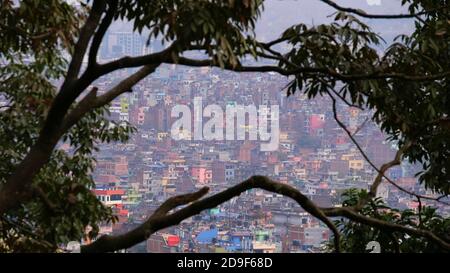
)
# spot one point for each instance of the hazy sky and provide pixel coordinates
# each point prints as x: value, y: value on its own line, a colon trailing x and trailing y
x: 280, y: 14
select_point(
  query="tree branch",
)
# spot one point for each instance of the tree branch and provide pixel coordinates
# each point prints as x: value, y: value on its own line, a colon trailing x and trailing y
x: 17, y: 187
x: 317, y: 70
x: 83, y: 41
x: 91, y: 100
x: 381, y: 171
x: 351, y: 214
x: 370, y: 16
x: 71, y: 87
x: 160, y: 219
x: 130, y: 62
x: 98, y: 37
x: 43, y: 196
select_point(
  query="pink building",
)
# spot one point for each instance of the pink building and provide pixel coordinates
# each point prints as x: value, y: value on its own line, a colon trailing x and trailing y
x: 202, y: 174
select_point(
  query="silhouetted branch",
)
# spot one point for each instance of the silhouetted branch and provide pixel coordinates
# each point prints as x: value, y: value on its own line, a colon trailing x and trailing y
x: 160, y: 219
x: 381, y: 171
x: 362, y: 13
x: 351, y: 214
x: 86, y: 33
x: 100, y: 33
x: 317, y: 70
x: 92, y: 101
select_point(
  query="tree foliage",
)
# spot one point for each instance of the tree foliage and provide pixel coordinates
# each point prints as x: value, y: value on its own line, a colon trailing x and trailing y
x: 33, y: 60
x: 45, y: 187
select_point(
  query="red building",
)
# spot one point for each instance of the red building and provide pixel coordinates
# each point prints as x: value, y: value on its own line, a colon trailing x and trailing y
x: 316, y: 124
x: 163, y: 243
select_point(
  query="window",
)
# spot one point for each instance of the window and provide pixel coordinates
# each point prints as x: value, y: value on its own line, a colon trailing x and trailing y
x: 116, y: 197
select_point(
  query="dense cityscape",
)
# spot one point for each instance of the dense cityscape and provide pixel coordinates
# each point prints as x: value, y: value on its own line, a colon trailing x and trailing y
x: 244, y: 128
x: 313, y: 154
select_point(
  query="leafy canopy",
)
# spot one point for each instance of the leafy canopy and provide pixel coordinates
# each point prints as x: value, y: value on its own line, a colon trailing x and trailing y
x: 401, y: 85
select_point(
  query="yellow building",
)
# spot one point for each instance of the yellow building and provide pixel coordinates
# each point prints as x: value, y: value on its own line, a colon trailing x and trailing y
x: 356, y: 164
